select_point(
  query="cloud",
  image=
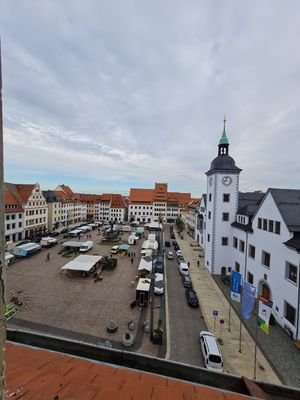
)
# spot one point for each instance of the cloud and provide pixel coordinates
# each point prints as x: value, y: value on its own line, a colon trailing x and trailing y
x: 136, y: 91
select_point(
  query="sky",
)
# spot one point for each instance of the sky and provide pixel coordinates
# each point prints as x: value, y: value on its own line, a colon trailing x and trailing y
x: 108, y: 95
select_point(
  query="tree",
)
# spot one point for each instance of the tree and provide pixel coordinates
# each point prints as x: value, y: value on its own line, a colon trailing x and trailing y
x: 180, y: 225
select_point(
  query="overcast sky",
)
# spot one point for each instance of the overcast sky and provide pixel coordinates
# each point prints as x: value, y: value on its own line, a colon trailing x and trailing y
x: 108, y: 95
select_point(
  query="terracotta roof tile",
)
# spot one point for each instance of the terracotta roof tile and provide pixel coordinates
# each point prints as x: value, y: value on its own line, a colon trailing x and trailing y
x: 40, y: 374
x: 20, y: 192
x: 141, y: 196
x: 206, y: 393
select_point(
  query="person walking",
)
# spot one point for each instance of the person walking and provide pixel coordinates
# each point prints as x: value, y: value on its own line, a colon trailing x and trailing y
x: 188, y: 264
x: 131, y: 260
x: 198, y: 263
x: 48, y: 257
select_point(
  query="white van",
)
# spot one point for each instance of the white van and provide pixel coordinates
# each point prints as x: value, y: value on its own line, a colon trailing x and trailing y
x: 211, y: 352
x: 114, y: 250
x: 132, y: 239
x: 86, y: 246
x: 125, y: 228
x: 183, y: 269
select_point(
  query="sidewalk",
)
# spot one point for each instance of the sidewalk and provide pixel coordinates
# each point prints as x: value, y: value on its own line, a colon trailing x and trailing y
x: 211, y: 298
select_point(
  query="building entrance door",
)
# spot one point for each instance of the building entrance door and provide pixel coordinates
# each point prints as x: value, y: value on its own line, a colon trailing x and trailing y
x: 265, y: 291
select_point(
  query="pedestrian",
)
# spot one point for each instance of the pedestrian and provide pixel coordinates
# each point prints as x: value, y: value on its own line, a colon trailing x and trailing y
x: 48, y: 257
x: 188, y: 264
x: 131, y: 260
x: 128, y: 254
x: 198, y: 263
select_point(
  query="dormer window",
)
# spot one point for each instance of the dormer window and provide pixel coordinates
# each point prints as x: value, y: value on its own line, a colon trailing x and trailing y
x: 242, y: 219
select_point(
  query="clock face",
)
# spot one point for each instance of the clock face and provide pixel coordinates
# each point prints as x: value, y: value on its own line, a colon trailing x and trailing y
x: 210, y: 181
x: 226, y: 180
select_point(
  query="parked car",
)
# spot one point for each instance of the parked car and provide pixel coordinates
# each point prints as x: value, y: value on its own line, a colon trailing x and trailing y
x: 172, y: 235
x: 159, y: 283
x: 170, y: 255
x: 180, y: 260
x: 159, y: 267
x: 65, y: 230
x: 178, y: 253
x: 167, y: 243
x: 187, y: 282
x: 192, y: 298
x: 183, y: 269
x: 159, y: 264
x: 114, y: 249
x: 54, y: 234
x: 211, y: 352
x: 174, y: 242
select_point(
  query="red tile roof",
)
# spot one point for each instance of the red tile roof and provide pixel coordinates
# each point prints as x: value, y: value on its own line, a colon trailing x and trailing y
x: 21, y: 191
x: 117, y: 201
x: 141, y: 196
x: 10, y: 200
x: 66, y: 189
x: 159, y: 193
x: 39, y: 374
x: 193, y: 204
x: 89, y: 198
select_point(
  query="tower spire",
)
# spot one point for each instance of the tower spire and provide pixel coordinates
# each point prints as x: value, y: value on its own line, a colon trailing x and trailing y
x: 224, y: 139
x: 223, y: 143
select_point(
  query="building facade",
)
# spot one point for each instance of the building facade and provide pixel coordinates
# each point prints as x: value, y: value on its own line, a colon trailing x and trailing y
x: 111, y: 207
x: 256, y: 234
x: 158, y: 204
x: 30, y: 199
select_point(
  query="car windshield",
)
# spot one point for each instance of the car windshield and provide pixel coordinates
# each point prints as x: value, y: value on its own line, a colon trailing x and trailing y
x: 215, y: 358
x: 159, y: 284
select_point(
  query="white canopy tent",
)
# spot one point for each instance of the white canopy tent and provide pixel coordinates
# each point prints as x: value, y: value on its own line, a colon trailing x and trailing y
x: 149, y: 244
x: 145, y: 264
x: 70, y: 243
x: 82, y: 263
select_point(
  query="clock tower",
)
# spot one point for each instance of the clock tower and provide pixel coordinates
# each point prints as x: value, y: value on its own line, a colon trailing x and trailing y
x: 221, y: 208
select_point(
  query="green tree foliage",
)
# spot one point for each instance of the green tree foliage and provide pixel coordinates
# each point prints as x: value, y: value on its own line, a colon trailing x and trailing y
x: 180, y: 225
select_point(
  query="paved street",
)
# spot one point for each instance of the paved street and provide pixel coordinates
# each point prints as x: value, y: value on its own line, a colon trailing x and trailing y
x: 211, y: 298
x: 185, y: 322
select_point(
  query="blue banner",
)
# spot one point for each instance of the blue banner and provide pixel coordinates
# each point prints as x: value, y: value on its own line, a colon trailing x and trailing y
x: 236, y: 279
x: 248, y: 299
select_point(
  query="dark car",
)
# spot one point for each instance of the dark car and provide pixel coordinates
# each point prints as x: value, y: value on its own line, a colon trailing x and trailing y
x: 159, y: 267
x: 167, y: 243
x: 53, y: 234
x: 187, y: 282
x: 192, y: 298
x: 172, y: 235
x: 65, y: 230
x: 174, y: 242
